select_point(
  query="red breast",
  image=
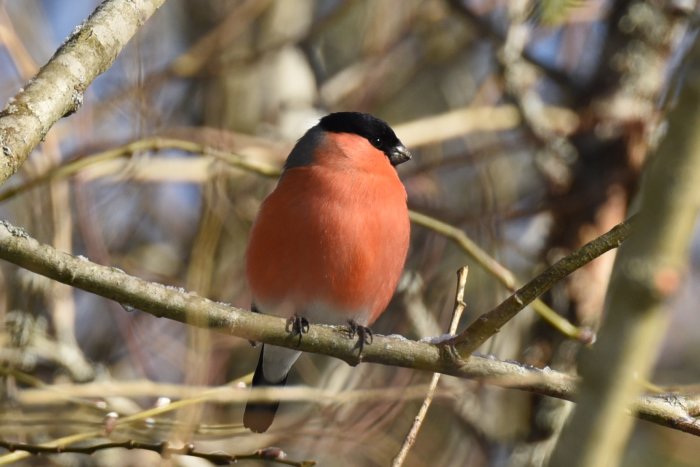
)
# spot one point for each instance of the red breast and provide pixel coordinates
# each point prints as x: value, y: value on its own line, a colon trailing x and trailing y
x: 334, y: 232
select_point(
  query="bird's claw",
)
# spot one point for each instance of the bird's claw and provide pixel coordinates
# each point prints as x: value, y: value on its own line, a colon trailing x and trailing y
x: 363, y: 333
x: 297, y: 325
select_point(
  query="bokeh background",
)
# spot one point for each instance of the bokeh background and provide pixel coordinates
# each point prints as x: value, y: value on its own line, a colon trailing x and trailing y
x: 529, y: 122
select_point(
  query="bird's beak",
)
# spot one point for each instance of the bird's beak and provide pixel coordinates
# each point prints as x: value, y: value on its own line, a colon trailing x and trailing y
x: 398, y: 155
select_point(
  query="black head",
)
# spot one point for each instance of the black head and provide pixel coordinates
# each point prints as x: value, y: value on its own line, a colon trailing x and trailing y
x: 376, y: 131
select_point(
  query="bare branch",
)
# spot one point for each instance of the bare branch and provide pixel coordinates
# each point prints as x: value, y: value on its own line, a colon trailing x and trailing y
x: 490, y: 323
x: 459, y: 307
x: 57, y: 90
x: 496, y: 269
x: 165, y: 449
x: 177, y: 304
x: 155, y: 143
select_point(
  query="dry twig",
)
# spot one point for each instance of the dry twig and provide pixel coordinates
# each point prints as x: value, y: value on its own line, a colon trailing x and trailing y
x: 459, y: 307
x: 57, y: 90
x: 490, y: 323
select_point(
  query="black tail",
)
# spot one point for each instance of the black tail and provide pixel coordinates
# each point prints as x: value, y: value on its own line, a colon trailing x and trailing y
x: 258, y: 416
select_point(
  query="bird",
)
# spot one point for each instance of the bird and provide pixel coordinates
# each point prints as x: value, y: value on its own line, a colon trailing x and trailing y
x: 329, y: 243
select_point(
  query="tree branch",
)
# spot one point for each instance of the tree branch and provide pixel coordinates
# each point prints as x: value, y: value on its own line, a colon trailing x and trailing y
x: 490, y: 323
x: 165, y: 449
x: 57, y: 90
x: 497, y: 270
x: 457, y: 311
x: 169, y: 302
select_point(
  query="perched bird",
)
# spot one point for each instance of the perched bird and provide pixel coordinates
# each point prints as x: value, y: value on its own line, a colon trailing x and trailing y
x: 329, y: 243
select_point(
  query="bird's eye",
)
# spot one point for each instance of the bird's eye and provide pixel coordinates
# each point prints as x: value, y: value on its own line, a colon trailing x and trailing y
x: 376, y: 142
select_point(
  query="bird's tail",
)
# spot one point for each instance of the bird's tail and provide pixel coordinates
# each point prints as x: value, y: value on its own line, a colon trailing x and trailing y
x: 258, y: 416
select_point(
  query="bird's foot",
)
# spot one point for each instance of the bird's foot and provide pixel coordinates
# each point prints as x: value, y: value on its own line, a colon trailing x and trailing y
x: 363, y: 333
x: 297, y: 325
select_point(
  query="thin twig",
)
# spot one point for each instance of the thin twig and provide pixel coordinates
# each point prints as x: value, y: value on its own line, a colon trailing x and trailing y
x: 496, y: 269
x: 490, y: 323
x: 143, y: 145
x: 195, y: 395
x: 459, y: 307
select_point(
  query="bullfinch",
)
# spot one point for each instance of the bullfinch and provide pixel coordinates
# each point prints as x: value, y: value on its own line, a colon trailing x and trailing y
x: 330, y: 242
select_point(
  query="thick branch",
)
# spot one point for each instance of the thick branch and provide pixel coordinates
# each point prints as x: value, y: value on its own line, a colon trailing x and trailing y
x: 177, y: 304
x: 57, y: 90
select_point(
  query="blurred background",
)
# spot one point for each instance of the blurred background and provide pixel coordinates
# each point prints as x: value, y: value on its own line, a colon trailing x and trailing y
x: 529, y: 122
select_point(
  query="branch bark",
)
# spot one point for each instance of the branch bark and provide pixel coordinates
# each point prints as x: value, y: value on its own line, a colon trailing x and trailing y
x: 57, y: 90
x: 17, y: 247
